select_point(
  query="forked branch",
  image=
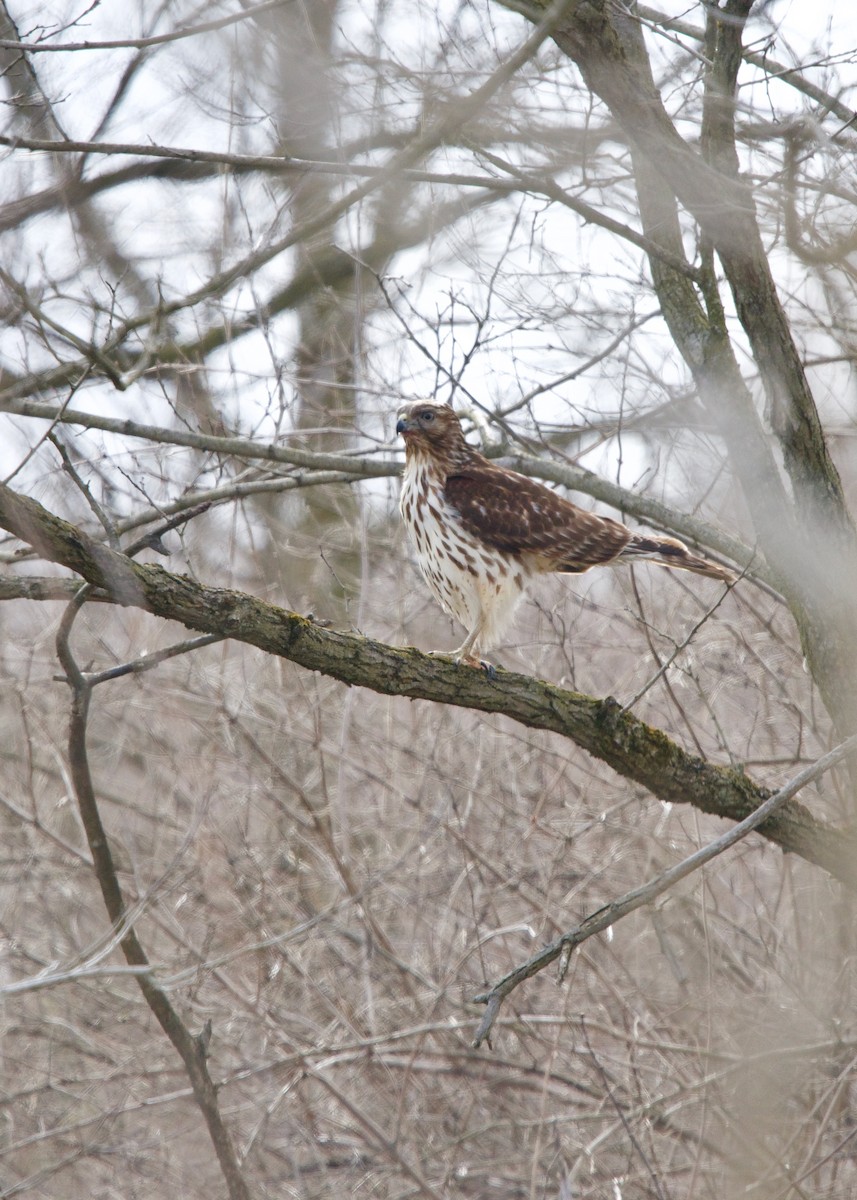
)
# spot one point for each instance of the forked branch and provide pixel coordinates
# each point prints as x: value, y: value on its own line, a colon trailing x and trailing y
x: 191, y: 1048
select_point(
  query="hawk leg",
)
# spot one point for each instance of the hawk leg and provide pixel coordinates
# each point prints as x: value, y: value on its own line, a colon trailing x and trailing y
x: 464, y: 655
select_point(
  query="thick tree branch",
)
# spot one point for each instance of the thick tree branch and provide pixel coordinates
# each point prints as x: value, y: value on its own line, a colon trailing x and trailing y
x: 601, y: 727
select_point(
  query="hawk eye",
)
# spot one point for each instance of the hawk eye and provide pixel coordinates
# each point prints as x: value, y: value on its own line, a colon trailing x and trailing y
x: 427, y: 415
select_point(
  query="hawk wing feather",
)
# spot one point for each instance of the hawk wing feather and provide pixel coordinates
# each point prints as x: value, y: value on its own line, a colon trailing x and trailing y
x: 517, y: 515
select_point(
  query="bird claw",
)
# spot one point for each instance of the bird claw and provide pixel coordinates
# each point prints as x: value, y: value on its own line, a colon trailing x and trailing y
x: 467, y: 660
x: 482, y: 663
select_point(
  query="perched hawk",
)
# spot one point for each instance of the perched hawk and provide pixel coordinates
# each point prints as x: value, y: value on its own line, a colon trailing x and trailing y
x: 482, y: 532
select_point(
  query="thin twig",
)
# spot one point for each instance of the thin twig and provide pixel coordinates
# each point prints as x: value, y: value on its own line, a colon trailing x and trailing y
x: 668, y: 662
x: 169, y: 523
x: 147, y: 662
x: 249, y: 12
x: 84, y: 488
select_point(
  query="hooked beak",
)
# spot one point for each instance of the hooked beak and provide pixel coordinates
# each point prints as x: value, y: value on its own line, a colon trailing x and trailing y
x: 403, y: 426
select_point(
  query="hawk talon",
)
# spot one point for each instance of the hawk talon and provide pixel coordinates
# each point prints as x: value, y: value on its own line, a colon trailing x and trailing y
x: 482, y: 664
x: 466, y: 660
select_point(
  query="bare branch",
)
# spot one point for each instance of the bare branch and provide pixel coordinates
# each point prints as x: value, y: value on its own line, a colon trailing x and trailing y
x: 249, y: 12
x: 190, y: 1048
x: 354, y: 466
x: 149, y: 661
x: 637, y: 897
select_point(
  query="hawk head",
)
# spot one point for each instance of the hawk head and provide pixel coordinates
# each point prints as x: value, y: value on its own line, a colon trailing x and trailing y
x: 432, y: 429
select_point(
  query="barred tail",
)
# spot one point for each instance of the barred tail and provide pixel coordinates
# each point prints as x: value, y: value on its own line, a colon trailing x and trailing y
x: 670, y: 552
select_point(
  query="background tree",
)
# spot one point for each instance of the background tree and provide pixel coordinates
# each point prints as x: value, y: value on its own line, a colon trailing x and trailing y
x: 254, y: 920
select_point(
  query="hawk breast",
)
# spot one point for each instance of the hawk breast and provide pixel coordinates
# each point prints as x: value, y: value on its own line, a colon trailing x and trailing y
x: 472, y: 578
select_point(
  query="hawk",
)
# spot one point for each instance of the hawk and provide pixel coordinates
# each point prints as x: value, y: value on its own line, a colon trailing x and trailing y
x: 482, y: 532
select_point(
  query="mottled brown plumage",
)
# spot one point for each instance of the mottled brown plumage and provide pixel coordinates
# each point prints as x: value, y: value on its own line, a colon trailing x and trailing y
x: 482, y: 532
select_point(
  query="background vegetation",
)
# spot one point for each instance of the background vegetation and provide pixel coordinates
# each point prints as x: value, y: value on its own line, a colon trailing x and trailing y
x: 267, y: 877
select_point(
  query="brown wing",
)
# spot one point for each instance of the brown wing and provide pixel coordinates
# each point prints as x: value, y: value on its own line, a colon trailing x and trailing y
x: 520, y: 516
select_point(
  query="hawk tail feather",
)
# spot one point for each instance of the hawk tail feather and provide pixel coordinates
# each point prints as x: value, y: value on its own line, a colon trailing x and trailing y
x: 670, y: 552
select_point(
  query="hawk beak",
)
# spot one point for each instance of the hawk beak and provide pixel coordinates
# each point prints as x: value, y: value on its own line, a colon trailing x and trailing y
x: 402, y: 425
